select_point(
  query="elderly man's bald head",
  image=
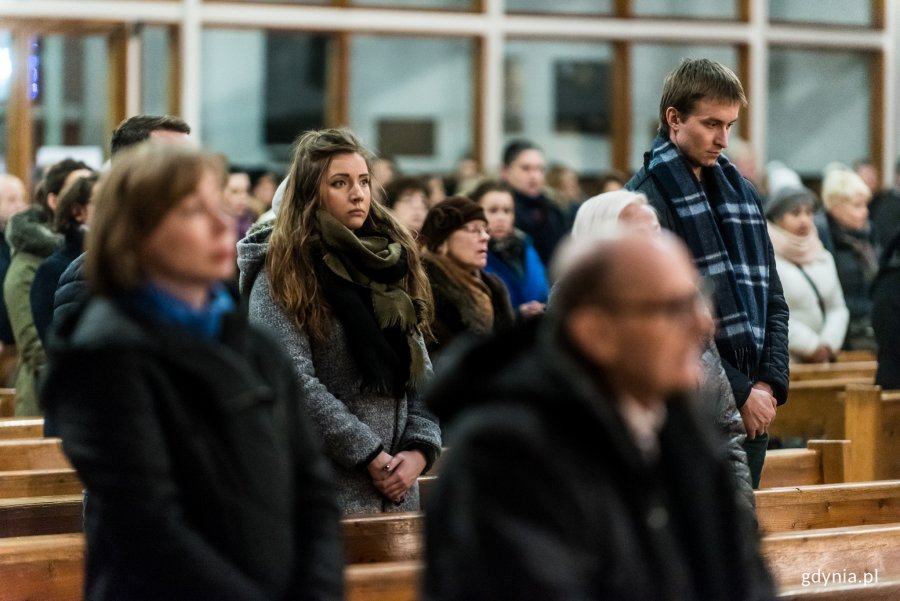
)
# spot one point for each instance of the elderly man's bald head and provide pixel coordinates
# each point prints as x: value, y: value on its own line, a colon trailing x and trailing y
x: 631, y: 306
x: 591, y: 272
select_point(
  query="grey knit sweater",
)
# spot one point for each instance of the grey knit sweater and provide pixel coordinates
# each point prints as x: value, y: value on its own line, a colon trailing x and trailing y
x: 352, y: 424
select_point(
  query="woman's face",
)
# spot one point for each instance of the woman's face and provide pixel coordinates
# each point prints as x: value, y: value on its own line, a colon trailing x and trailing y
x: 798, y: 221
x: 468, y: 245
x: 411, y: 209
x: 193, y: 247
x: 640, y: 218
x: 853, y: 214
x: 500, y: 211
x: 345, y: 191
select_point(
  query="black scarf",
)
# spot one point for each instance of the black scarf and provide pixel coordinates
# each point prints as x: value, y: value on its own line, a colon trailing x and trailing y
x: 360, y: 275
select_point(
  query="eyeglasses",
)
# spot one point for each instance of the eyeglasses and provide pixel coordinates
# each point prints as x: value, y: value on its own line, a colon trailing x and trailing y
x: 477, y: 230
x: 683, y: 310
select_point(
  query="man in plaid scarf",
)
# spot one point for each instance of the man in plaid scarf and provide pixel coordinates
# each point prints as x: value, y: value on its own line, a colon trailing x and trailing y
x: 702, y: 197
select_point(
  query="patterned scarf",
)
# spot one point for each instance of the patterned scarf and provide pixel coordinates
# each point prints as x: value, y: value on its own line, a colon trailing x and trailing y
x: 723, y: 226
x: 361, y: 275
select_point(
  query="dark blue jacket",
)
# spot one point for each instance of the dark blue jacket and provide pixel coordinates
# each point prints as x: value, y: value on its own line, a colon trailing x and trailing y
x: 531, y: 285
x: 71, y: 292
x: 46, y: 280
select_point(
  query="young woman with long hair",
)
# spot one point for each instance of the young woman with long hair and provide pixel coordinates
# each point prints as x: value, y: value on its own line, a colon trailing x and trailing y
x: 339, y: 281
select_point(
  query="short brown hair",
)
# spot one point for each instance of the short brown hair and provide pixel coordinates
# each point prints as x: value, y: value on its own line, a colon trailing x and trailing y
x: 140, y: 189
x: 137, y: 129
x: 696, y: 79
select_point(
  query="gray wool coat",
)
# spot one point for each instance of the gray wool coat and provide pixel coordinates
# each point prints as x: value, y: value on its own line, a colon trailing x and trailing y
x: 720, y: 404
x: 351, y: 424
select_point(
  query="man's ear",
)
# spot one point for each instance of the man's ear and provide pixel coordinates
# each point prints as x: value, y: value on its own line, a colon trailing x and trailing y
x: 673, y: 118
x: 591, y: 331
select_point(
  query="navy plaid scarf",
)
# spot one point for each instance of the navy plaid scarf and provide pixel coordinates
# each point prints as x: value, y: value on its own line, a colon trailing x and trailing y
x: 726, y: 232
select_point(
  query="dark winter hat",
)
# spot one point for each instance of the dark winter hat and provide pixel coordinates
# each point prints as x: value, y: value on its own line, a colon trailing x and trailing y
x: 786, y: 198
x: 446, y: 217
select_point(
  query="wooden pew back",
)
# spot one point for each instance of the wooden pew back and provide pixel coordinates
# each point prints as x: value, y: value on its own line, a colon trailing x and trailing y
x: 42, y: 567
x: 21, y: 427
x: 383, y: 537
x: 32, y: 454
x: 821, y: 462
x: 28, y: 516
x: 7, y: 402
x: 828, y: 506
x: 825, y: 371
x: 39, y: 483
x: 855, y: 549
x: 51, y: 567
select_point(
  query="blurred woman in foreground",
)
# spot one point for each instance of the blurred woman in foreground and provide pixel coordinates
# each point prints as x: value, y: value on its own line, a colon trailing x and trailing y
x: 204, y: 477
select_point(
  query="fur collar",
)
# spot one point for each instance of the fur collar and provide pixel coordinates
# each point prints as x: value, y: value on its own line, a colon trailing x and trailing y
x: 29, y: 231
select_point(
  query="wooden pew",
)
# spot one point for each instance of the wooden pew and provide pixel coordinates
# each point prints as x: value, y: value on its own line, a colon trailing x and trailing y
x: 801, y: 372
x: 28, y: 516
x: 821, y: 462
x: 828, y: 506
x: 7, y: 402
x: 794, y: 556
x: 46, y: 568
x: 887, y: 447
x: 51, y: 567
x: 21, y: 427
x: 837, y: 410
x: 32, y: 454
x: 395, y: 581
x: 814, y: 409
x: 844, y: 356
x: 39, y: 483
x: 383, y: 537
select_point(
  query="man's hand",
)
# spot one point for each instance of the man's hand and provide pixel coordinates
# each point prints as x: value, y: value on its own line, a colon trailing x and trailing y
x: 759, y: 410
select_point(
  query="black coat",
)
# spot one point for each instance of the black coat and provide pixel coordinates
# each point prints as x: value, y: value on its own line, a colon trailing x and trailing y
x: 543, y: 220
x: 544, y: 495
x: 455, y: 312
x: 772, y: 367
x: 205, y: 480
x: 886, y: 316
x: 71, y: 293
x: 851, y: 268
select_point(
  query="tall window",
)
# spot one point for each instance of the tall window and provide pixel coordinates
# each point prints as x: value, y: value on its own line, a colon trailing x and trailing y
x: 411, y: 99
x: 557, y: 94
x: 813, y: 120
x: 260, y: 91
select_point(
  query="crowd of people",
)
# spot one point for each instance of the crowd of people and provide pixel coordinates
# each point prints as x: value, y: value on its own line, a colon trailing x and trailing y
x: 235, y: 360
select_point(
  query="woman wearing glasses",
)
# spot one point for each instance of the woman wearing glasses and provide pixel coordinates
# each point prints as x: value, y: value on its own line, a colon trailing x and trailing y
x: 466, y: 299
x: 340, y: 283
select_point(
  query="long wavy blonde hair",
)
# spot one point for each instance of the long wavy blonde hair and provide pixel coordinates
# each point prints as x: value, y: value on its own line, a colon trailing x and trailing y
x: 292, y: 275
